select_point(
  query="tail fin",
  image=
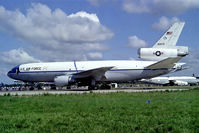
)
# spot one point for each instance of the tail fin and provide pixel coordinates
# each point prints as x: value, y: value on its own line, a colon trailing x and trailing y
x: 166, y: 46
x: 170, y: 37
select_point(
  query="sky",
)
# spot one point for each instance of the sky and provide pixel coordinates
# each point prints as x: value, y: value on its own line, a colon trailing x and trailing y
x: 68, y: 30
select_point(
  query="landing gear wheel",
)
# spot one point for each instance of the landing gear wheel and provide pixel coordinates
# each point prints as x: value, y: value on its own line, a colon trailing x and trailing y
x: 106, y: 87
x: 52, y: 87
x: 92, y: 85
x: 109, y: 87
x: 68, y: 87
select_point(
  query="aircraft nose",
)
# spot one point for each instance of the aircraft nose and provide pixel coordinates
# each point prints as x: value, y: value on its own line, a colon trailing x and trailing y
x: 13, y: 71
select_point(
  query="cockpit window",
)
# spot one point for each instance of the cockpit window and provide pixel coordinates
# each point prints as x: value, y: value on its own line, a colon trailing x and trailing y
x: 17, y: 70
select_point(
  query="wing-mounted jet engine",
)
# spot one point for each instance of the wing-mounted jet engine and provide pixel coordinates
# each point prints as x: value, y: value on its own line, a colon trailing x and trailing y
x: 166, y: 46
x: 63, y: 80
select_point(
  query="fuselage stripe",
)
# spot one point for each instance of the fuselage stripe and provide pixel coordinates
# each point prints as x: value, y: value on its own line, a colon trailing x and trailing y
x: 86, y: 70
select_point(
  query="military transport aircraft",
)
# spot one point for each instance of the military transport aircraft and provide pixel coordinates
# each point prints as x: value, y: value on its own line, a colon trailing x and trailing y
x: 164, y: 55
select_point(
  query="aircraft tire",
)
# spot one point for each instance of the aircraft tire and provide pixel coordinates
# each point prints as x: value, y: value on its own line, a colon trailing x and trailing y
x: 68, y: 87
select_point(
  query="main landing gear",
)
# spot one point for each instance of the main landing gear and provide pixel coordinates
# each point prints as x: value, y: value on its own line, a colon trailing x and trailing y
x: 94, y: 86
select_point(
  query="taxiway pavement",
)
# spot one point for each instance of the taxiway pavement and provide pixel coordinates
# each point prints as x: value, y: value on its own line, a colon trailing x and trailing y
x: 67, y: 92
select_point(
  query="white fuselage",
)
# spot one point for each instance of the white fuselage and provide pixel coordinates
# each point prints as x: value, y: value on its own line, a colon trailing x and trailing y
x: 185, y: 80
x: 123, y: 70
x: 165, y: 54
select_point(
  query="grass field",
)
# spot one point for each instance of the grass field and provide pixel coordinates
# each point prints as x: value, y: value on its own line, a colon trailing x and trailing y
x: 115, y: 112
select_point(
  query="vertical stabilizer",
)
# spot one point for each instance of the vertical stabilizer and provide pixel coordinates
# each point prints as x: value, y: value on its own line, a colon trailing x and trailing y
x: 166, y: 46
x: 170, y: 38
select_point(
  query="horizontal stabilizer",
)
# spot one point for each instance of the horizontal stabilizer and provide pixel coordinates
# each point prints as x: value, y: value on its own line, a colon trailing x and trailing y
x: 166, y: 63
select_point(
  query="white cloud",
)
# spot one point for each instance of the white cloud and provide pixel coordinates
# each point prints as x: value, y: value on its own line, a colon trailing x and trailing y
x: 3, y: 71
x: 41, y: 24
x: 95, y: 46
x: 16, y: 57
x: 164, y: 23
x: 3, y: 74
x: 100, y: 2
x: 174, y: 6
x: 71, y: 52
x: 135, y: 42
x: 192, y: 59
x: 95, y: 55
x: 170, y: 7
x: 53, y: 33
x: 83, y: 14
x: 135, y: 7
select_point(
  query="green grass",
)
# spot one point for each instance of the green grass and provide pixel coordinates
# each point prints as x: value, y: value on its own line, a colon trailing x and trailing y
x: 116, y: 112
x: 160, y: 87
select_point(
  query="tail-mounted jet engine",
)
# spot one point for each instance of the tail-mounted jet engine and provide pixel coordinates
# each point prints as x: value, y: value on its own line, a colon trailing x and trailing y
x: 162, y: 53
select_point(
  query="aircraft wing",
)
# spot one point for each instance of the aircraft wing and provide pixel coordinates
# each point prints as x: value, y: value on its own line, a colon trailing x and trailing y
x: 166, y: 63
x: 96, y: 73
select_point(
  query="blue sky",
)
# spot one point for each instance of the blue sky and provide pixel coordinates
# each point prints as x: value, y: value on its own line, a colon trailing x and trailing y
x: 63, y: 30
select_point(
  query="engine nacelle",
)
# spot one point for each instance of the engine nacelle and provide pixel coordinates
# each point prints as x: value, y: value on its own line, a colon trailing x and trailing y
x: 162, y: 53
x: 63, y: 80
